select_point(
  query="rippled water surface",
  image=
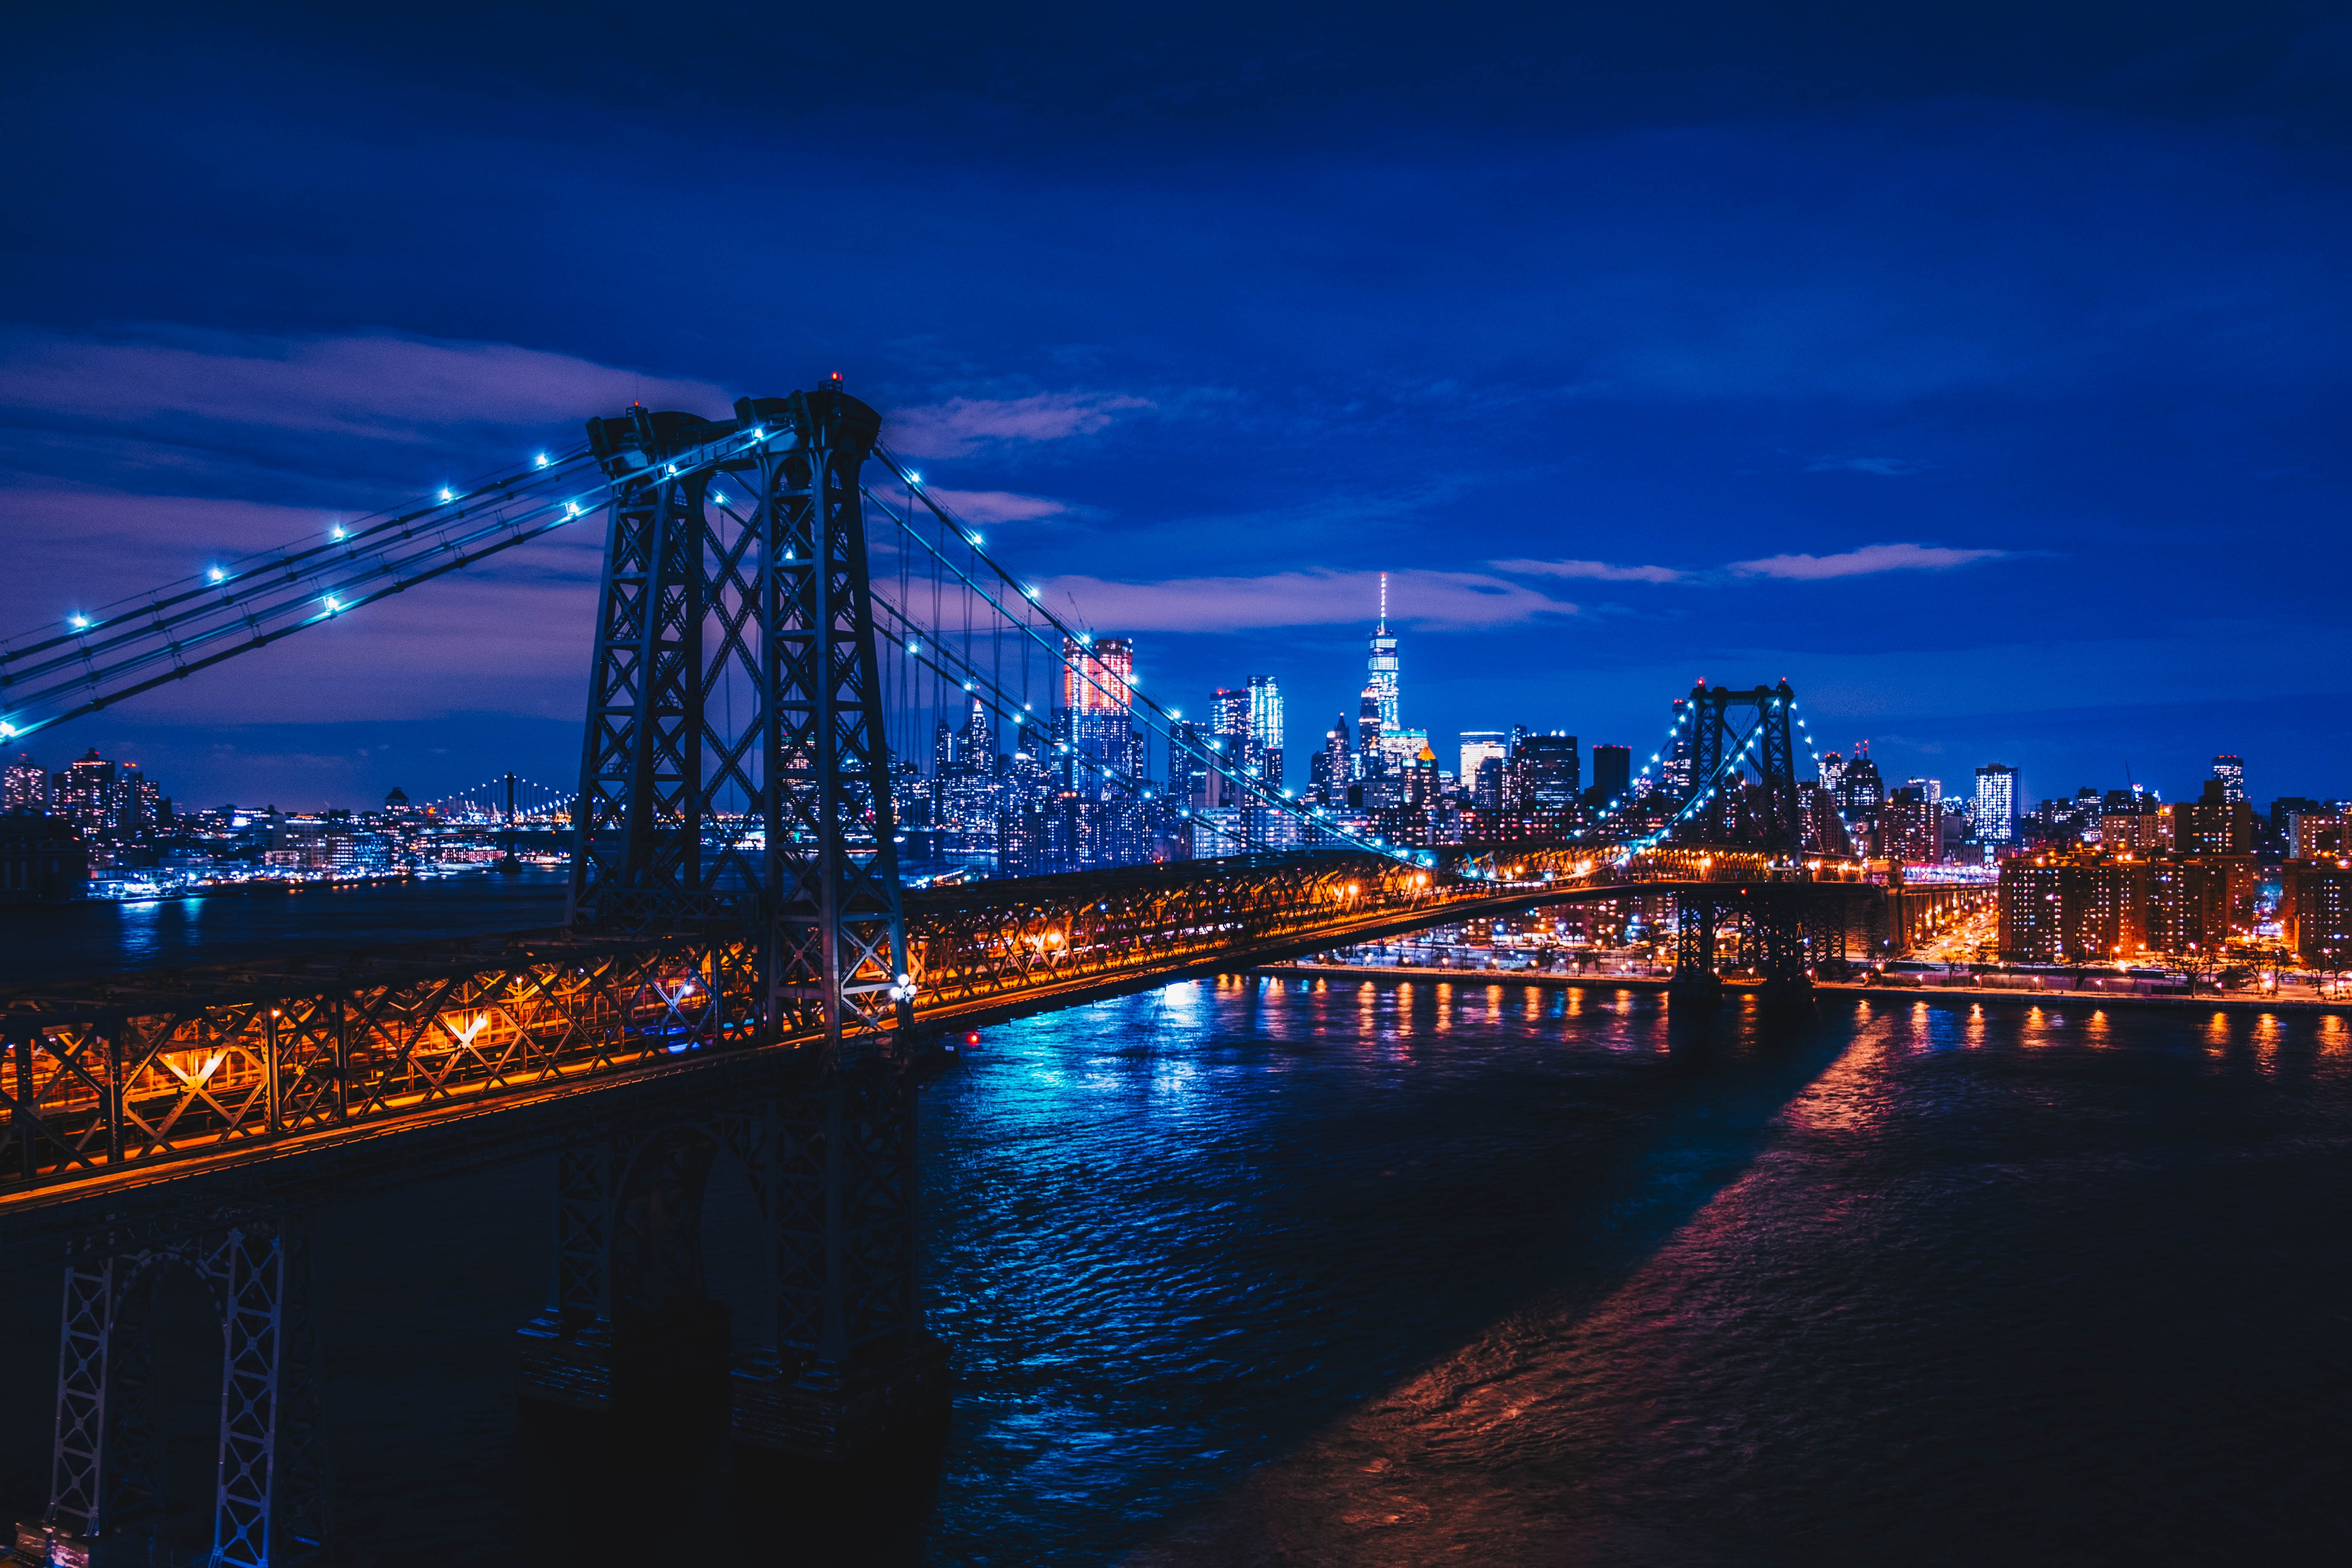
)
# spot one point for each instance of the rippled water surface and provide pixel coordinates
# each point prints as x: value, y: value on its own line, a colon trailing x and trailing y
x: 1271, y: 1272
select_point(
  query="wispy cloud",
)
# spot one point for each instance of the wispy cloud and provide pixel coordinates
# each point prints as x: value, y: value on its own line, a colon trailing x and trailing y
x: 997, y: 506
x: 1423, y: 599
x: 1597, y: 571
x: 1860, y: 562
x: 379, y: 384
x: 1891, y: 467
x: 952, y: 428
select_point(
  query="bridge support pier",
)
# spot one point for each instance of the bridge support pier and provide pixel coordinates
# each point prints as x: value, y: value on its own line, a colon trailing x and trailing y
x: 1695, y: 982
x: 1776, y: 924
x: 108, y: 1487
x: 842, y: 1366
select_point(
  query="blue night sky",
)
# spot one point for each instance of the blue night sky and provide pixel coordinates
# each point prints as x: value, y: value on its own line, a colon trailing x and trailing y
x: 1982, y: 370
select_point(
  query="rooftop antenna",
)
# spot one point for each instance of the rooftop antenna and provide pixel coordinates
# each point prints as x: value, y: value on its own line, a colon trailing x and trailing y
x: 1384, y: 601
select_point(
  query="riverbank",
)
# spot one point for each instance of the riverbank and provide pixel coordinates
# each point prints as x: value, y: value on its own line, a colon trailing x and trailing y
x: 2231, y: 1002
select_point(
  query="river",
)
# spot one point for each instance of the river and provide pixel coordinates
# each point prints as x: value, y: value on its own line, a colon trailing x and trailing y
x: 1312, y: 1272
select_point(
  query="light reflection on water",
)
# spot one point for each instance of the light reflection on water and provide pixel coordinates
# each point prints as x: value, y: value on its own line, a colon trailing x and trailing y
x: 1249, y: 1271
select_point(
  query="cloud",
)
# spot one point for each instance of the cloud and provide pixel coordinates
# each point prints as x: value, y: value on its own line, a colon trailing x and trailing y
x: 1423, y: 599
x: 952, y: 428
x: 997, y: 506
x: 1888, y: 465
x: 1598, y: 570
x: 1860, y: 562
x: 376, y: 385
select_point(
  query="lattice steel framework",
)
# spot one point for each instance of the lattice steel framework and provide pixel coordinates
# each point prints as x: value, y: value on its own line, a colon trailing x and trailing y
x: 107, y: 1477
x: 1769, y: 747
x: 751, y: 572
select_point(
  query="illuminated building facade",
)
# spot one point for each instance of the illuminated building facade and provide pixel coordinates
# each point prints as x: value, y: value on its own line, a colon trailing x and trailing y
x: 1994, y: 809
x: 2316, y: 904
x: 1477, y: 746
x: 2063, y: 908
x: 2230, y: 772
x: 1266, y: 727
x: 2213, y: 823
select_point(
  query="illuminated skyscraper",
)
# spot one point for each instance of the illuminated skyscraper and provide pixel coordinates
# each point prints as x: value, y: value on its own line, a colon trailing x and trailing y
x: 2232, y: 771
x: 1676, y: 768
x: 1096, y: 676
x: 1477, y: 746
x: 1994, y: 809
x: 1334, y: 766
x: 23, y: 786
x: 1380, y: 668
x: 1266, y: 726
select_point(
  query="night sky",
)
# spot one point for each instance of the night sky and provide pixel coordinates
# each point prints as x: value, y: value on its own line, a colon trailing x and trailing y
x: 1983, y: 370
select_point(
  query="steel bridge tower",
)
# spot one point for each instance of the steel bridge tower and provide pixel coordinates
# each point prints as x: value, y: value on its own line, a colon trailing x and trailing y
x: 1770, y: 918
x: 734, y: 793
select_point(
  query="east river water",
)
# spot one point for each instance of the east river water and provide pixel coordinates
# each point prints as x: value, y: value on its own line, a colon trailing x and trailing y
x: 1260, y: 1272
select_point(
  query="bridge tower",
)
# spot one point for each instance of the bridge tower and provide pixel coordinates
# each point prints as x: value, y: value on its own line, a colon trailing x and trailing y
x: 1770, y: 918
x: 734, y: 784
x: 1769, y: 746
x: 108, y: 1487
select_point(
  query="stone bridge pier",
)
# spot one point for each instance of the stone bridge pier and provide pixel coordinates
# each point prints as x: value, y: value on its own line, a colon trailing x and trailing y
x: 841, y: 1363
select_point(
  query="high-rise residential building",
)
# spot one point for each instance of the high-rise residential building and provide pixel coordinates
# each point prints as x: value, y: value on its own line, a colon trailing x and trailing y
x: 23, y: 786
x: 1832, y: 771
x: 2314, y: 835
x: 1911, y: 827
x: 2232, y: 771
x: 2058, y: 908
x: 2213, y: 823
x: 1266, y: 726
x: 1612, y: 773
x: 1097, y: 676
x: 1477, y: 746
x: 1930, y: 790
x: 1994, y: 810
x: 2315, y: 902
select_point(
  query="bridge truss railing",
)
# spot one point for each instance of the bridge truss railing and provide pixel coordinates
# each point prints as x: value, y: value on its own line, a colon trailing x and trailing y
x: 998, y: 940
x: 171, y: 1067
x: 204, y: 1061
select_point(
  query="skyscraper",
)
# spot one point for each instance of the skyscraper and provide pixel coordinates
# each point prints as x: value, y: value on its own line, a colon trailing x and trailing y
x: 1477, y: 746
x: 1994, y: 809
x: 23, y: 786
x: 1380, y: 668
x: 1266, y: 726
x: 1676, y: 768
x: 1612, y: 773
x: 1545, y: 774
x: 1096, y: 674
x: 2232, y: 771
x: 1333, y: 767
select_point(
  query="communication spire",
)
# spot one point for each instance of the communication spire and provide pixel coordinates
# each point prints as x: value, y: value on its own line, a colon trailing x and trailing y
x: 1384, y: 602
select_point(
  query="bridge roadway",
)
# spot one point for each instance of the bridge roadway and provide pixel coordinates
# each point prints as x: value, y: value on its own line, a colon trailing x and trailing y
x: 249, y: 1083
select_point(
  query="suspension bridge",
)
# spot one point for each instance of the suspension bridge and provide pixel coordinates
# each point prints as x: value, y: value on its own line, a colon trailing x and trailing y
x: 786, y: 614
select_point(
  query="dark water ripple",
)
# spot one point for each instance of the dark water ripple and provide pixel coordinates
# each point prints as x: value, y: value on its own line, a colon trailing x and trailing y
x: 1263, y: 1273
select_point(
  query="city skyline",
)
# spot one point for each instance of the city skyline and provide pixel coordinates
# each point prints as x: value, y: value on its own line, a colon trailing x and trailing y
x: 1714, y: 394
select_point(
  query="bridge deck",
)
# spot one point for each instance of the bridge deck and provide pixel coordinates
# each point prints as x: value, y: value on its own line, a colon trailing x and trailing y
x: 351, y: 1066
